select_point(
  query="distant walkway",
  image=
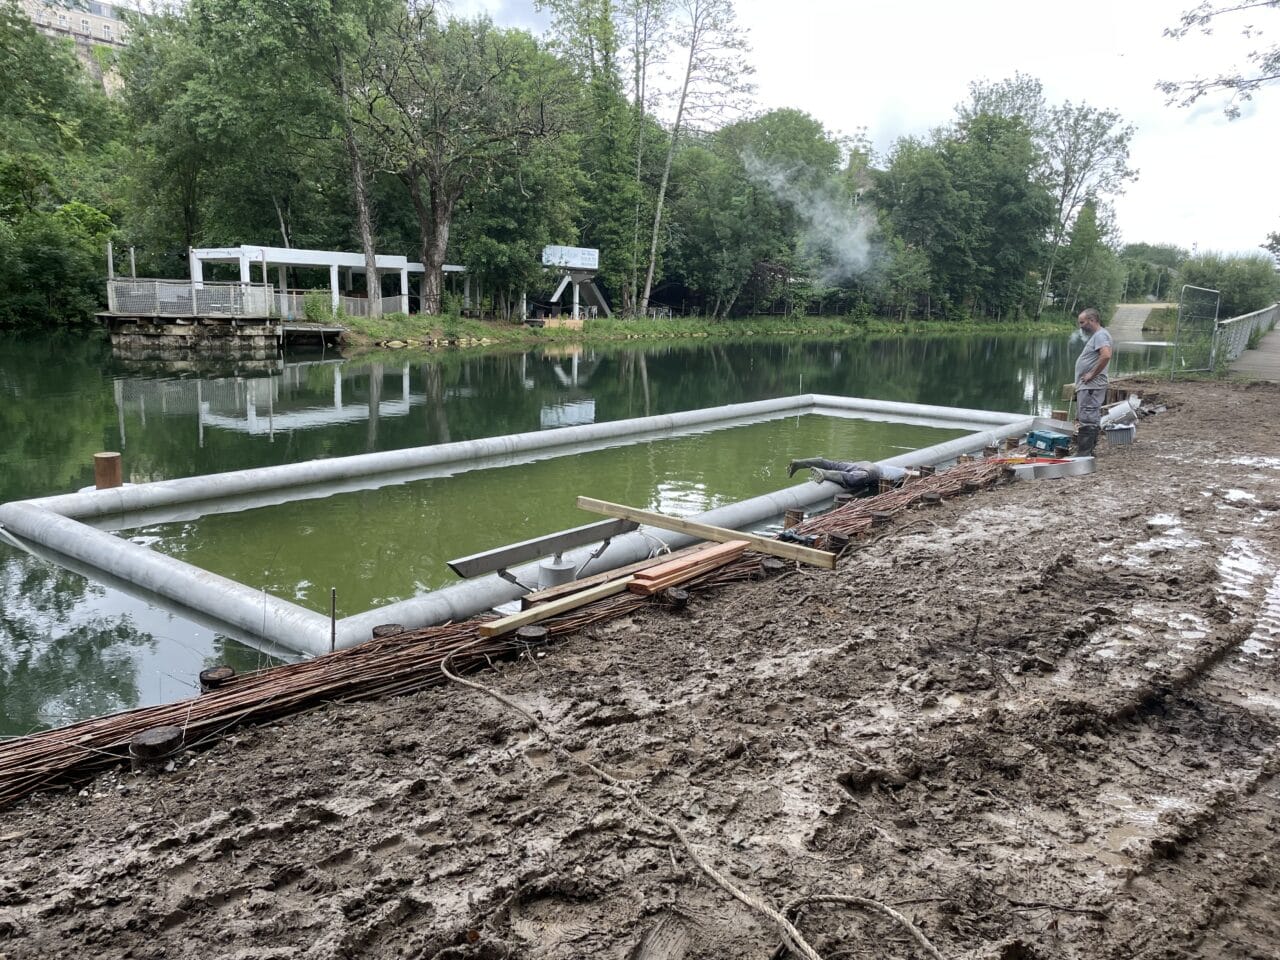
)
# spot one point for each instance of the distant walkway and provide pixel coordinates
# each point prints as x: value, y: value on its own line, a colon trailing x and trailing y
x: 1126, y: 323
x: 1262, y: 363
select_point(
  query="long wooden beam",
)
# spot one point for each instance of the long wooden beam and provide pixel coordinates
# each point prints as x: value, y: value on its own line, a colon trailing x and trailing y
x: 574, y: 586
x: 767, y: 545
x: 544, y: 611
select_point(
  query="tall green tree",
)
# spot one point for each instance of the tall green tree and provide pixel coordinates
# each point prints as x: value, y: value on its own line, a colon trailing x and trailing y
x: 309, y: 62
x: 602, y: 122
x: 55, y: 127
x: 713, y: 81
x: 452, y: 104
x: 1091, y: 274
x: 1246, y: 283
x: 1087, y: 152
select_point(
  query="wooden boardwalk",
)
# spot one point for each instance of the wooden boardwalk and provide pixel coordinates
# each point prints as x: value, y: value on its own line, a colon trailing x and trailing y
x: 1262, y: 363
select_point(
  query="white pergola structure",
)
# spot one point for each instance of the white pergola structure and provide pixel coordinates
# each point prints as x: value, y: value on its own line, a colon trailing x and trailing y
x: 281, y: 257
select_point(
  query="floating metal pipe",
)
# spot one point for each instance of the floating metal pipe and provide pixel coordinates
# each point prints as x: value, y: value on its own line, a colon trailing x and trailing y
x: 147, y: 496
x: 52, y: 521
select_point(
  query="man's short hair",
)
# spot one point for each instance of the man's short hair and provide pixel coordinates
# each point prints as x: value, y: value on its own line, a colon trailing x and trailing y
x: 1091, y: 314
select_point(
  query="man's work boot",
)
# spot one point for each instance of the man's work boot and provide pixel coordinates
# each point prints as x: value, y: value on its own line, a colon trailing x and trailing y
x: 1086, y: 440
x: 795, y: 465
x: 818, y: 475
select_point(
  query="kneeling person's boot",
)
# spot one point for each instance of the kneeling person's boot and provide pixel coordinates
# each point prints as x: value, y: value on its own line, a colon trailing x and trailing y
x: 818, y: 475
x: 795, y: 465
x: 1086, y: 440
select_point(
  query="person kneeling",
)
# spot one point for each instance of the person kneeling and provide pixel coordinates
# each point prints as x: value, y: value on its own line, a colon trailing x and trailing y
x: 856, y: 476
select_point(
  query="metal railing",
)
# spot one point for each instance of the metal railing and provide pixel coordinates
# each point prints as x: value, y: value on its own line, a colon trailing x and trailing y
x: 359, y: 306
x: 183, y: 298
x: 292, y: 304
x: 1232, y: 336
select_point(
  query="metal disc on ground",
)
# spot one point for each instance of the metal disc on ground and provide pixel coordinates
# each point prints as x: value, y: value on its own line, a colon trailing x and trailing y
x: 676, y: 597
x: 215, y: 677
x: 151, y: 747
x: 531, y: 633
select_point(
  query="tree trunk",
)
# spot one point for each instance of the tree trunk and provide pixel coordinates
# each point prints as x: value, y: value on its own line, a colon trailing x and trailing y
x: 666, y: 176
x: 372, y: 282
x: 641, y: 62
x: 284, y: 229
x: 435, y: 213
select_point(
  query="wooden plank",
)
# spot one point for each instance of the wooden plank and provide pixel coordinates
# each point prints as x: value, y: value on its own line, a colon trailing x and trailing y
x: 693, y: 567
x: 573, y: 586
x: 776, y: 548
x: 495, y: 628
x: 729, y: 550
x: 650, y: 587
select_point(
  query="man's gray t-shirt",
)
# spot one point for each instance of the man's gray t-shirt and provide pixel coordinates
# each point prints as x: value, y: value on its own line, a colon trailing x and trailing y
x: 1088, y: 359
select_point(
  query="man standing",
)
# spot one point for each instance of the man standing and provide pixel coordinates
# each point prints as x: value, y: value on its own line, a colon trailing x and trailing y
x: 1091, y: 379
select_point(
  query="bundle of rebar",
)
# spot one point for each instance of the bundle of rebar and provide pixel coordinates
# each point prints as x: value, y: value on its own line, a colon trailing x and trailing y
x: 392, y: 665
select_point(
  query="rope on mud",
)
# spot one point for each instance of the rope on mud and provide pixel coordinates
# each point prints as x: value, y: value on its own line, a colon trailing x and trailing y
x: 868, y: 904
x: 793, y: 937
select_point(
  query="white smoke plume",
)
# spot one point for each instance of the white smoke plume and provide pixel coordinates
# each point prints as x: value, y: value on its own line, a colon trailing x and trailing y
x: 836, y: 237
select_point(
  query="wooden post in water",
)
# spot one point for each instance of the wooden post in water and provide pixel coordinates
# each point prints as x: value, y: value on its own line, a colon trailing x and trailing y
x: 107, y: 471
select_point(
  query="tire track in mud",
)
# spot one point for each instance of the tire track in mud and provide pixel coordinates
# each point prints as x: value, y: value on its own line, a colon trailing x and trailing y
x: 1153, y: 709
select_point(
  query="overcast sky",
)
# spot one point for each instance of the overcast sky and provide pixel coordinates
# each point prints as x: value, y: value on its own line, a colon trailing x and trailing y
x: 900, y: 68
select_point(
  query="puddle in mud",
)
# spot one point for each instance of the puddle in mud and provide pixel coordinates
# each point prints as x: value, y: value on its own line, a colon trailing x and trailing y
x: 1238, y: 567
x: 943, y: 706
x: 801, y: 661
x: 1272, y: 463
x: 1266, y: 701
x: 1114, y: 845
x: 1235, y: 496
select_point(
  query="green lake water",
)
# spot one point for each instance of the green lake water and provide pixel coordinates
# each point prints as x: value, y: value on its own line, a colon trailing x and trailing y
x: 72, y: 648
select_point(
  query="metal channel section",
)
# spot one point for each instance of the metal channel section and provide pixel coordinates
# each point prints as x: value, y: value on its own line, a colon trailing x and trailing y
x: 55, y: 523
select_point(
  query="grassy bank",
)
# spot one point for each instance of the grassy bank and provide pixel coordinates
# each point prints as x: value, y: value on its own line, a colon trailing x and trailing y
x: 440, y: 331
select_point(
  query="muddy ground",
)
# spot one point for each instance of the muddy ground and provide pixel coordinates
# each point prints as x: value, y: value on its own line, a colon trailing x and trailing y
x: 1040, y: 721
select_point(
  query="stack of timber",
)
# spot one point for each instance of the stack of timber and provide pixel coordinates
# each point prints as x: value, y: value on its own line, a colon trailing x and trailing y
x: 656, y: 579
x: 548, y: 594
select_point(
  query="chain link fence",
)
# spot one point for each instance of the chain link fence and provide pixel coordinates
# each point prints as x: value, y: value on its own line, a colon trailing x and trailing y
x: 1193, y: 337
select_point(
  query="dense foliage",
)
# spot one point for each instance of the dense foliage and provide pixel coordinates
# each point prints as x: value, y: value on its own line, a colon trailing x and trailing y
x: 380, y: 125
x: 58, y: 200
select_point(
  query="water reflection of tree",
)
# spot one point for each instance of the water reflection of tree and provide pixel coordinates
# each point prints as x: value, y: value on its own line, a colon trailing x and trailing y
x: 48, y: 449
x: 53, y: 669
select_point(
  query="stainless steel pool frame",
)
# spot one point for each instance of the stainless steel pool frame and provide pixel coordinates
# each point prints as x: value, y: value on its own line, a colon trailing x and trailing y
x: 73, y: 529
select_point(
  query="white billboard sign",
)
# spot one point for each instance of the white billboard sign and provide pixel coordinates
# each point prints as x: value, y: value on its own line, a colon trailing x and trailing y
x: 573, y: 258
